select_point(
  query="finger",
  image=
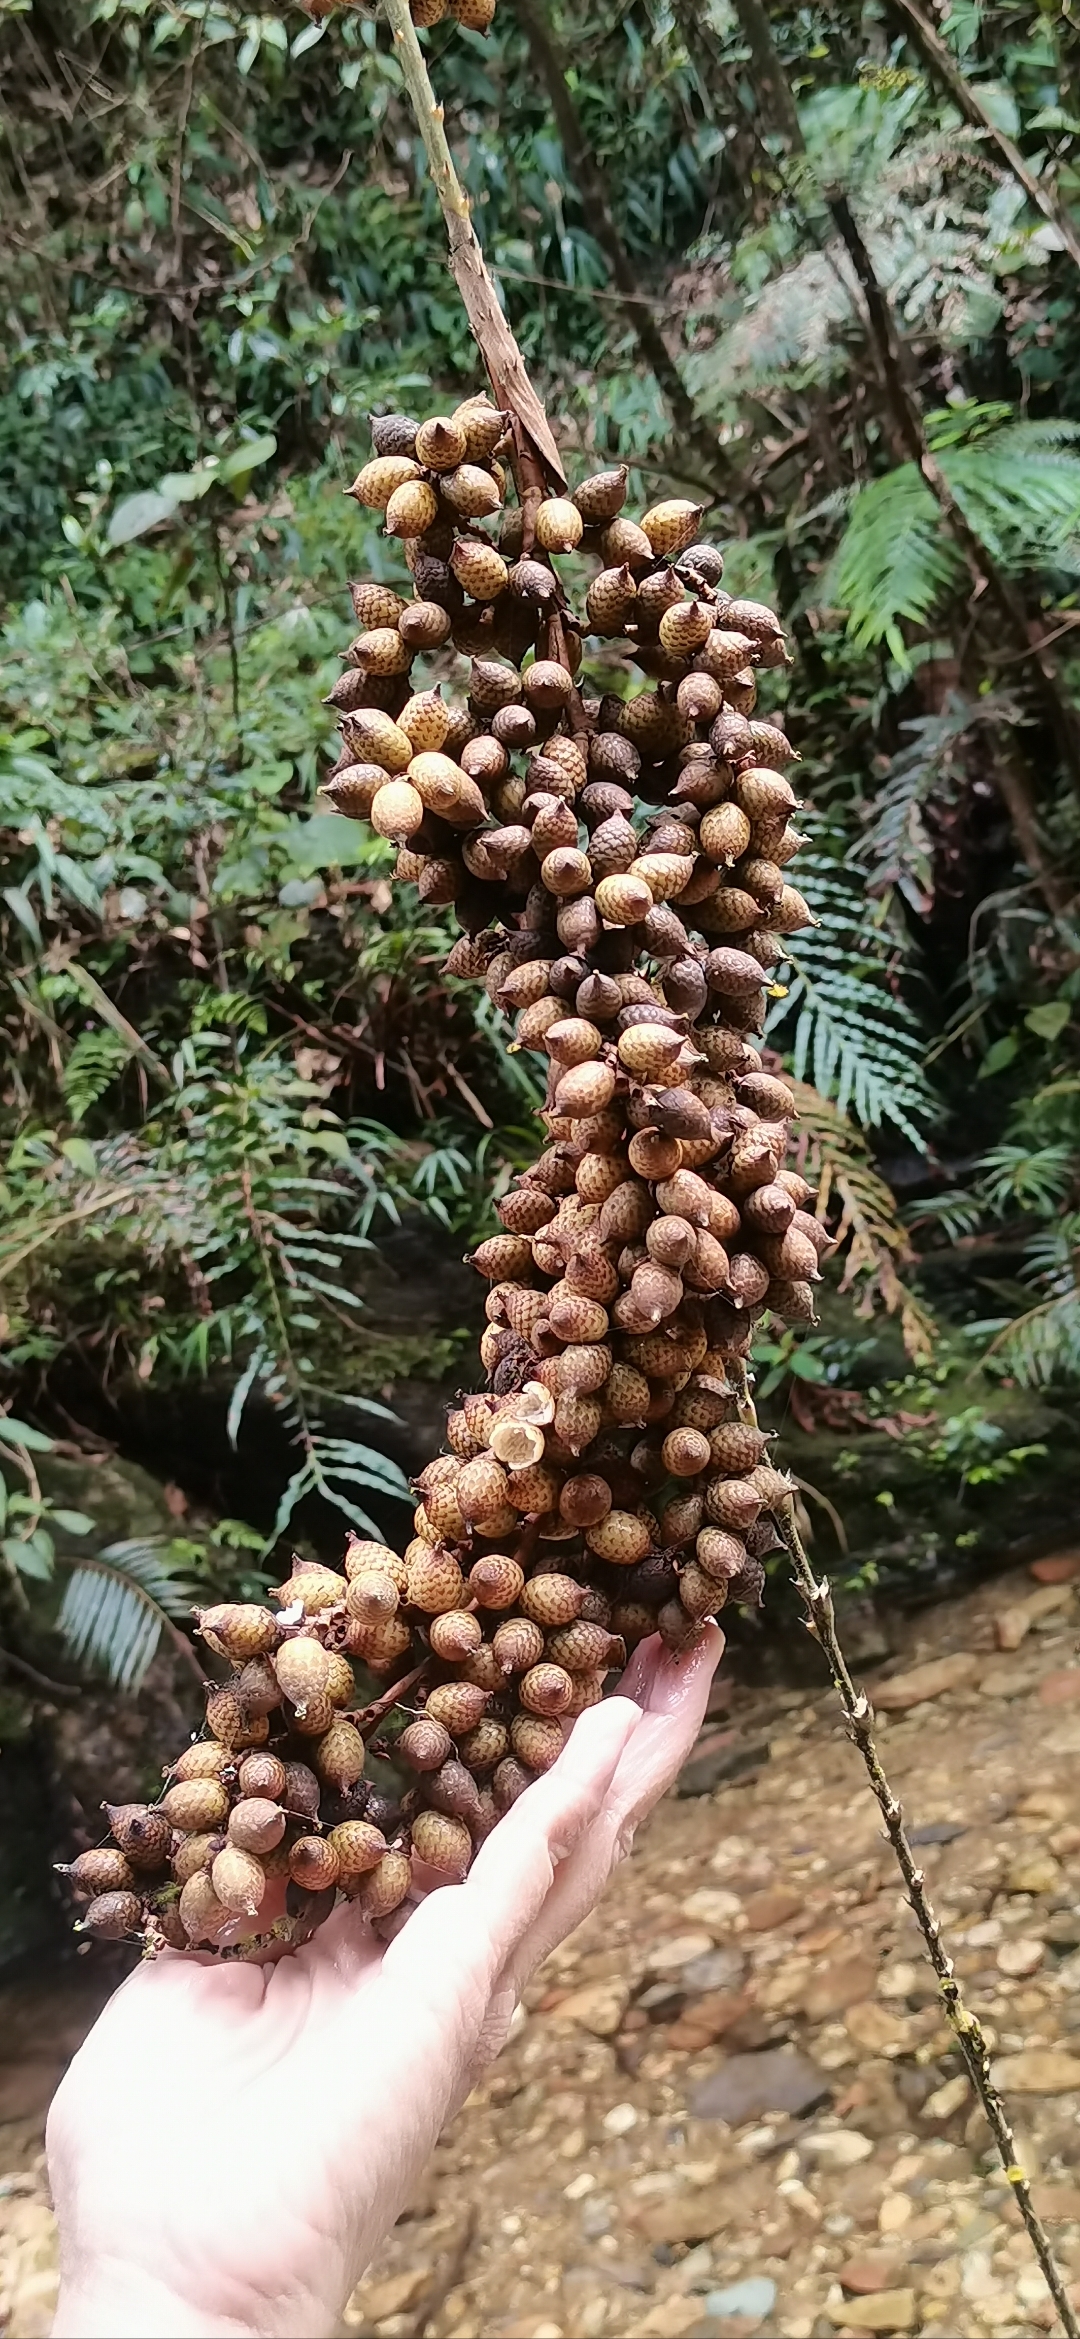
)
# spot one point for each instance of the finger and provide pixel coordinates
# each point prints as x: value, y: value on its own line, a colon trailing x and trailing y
x: 475, y: 1925
x: 675, y: 1690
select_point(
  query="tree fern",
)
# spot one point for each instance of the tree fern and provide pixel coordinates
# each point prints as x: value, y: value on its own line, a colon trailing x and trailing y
x: 116, y: 1606
x: 1019, y: 485
x: 843, y: 1020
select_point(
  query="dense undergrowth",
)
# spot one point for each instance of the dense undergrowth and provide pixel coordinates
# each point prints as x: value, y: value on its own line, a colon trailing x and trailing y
x: 233, y: 1062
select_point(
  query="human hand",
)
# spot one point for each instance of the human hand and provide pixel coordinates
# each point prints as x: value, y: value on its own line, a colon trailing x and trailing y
x: 232, y: 2141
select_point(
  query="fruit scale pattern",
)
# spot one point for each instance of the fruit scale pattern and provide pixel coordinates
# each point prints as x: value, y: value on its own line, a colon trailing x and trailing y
x: 618, y: 867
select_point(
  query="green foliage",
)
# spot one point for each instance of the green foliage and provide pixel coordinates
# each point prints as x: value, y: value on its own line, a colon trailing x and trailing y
x: 843, y: 1017
x: 1016, y: 482
x: 233, y: 1063
x: 116, y: 1606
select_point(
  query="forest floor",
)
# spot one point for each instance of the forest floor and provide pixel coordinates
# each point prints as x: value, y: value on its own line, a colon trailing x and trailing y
x: 730, y: 2104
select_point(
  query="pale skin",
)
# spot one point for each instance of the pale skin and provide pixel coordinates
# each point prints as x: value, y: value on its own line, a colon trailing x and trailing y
x: 232, y: 2142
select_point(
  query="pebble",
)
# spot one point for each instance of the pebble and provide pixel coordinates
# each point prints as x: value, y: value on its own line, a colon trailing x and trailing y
x: 1038, y: 2071
x: 745, y: 2086
x: 1060, y: 1567
x: 714, y: 1908
x: 873, y: 2273
x: 620, y: 2119
x: 1061, y: 1687
x: 754, y: 2299
x: 1019, y: 1957
x: 838, y: 2147
x: 903, y: 1690
x: 718, y: 1971
x: 676, y: 1950
x: 947, y: 2099
x: 884, y: 2310
x: 598, y: 2008
x: 765, y: 1910
x: 1038, y: 1875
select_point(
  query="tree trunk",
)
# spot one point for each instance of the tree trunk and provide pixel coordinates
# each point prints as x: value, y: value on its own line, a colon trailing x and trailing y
x: 940, y: 62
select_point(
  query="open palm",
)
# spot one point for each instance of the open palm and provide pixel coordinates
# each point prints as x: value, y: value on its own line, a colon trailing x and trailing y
x: 232, y: 2141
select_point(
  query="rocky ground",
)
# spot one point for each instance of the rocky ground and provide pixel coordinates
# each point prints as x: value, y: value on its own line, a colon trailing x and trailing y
x: 731, y: 2104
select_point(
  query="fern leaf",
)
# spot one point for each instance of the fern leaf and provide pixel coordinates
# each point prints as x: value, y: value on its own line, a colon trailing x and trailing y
x: 895, y: 563
x: 895, y: 848
x: 115, y: 1606
x: 836, y: 1157
x: 846, y: 1026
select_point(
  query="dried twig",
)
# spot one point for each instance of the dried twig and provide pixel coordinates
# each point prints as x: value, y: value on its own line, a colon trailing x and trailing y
x: 966, y: 2027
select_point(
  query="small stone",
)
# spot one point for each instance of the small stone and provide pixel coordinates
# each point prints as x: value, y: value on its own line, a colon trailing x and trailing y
x: 722, y: 1969
x: 747, y: 2086
x: 598, y: 2008
x: 1061, y: 1567
x: 677, y: 1950
x: 985, y: 1935
x: 710, y: 2017
x: 882, y: 2310
x: 396, y: 2295
x: 579, y: 2186
x: 1060, y: 1688
x: 1037, y: 1873
x: 751, y: 2301
x: 1011, y: 1626
x: 877, y: 2029
x: 894, y: 2213
x: 668, y: 2318
x: 1003, y: 1680
x: 874, y: 2272
x: 620, y: 2119
x: 1057, y: 2201
x: 713, y: 1908
x: 839, y: 2148
x: 1038, y: 2071
x: 898, y: 1981
x: 947, y: 2099
x: 1019, y: 1957
x: 1045, y: 1803
x: 765, y: 1910
x: 837, y: 1986
x: 923, y: 1682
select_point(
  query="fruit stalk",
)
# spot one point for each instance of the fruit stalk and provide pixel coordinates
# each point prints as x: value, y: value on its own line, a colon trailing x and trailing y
x: 510, y: 382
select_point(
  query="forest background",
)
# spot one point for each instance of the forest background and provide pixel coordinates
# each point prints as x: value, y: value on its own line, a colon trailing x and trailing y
x: 820, y: 269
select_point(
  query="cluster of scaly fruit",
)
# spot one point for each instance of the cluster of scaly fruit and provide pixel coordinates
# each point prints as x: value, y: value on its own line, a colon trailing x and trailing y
x: 618, y: 866
x: 475, y: 15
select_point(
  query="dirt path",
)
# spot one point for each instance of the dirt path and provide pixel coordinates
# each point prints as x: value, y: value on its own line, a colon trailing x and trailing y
x: 730, y: 2104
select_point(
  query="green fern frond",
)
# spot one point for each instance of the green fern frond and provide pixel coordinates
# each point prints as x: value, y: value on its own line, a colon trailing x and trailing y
x: 896, y: 562
x: 91, y: 1068
x: 843, y: 1020
x: 115, y: 1607
x: 895, y: 848
x: 836, y: 1158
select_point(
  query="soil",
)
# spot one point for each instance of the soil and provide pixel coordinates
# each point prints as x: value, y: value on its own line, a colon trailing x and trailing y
x: 731, y: 2103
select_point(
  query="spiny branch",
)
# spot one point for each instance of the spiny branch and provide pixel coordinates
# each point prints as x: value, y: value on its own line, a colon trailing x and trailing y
x: 966, y: 2027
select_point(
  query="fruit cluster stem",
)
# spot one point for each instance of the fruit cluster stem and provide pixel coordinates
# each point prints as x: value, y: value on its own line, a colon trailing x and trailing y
x: 510, y: 382
x: 966, y: 2027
